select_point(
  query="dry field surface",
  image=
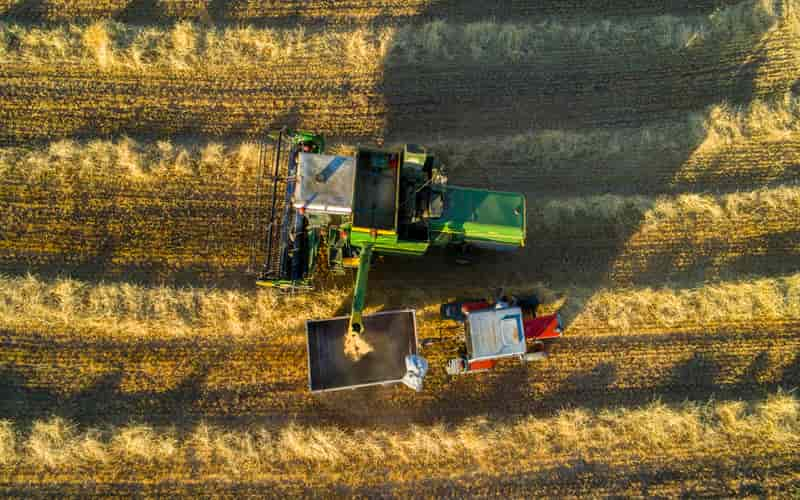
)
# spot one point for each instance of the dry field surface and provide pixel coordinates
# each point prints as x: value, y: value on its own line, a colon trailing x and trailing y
x: 658, y: 146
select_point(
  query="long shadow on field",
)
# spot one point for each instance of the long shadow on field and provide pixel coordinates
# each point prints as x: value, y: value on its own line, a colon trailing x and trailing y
x: 464, y: 98
x: 580, y: 252
x: 777, y: 254
x: 791, y: 374
x: 515, y: 391
x: 178, y: 238
x: 96, y: 271
x: 104, y: 402
x: 554, y: 87
x: 520, y: 10
x: 512, y: 391
x: 697, y: 477
x: 506, y: 395
x: 457, y: 95
x: 695, y: 379
x: 140, y: 11
x: 680, y: 259
x: 24, y: 9
x: 488, y: 100
x: 170, y: 233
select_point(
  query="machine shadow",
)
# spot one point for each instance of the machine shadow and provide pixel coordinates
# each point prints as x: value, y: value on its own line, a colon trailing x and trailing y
x: 543, y: 93
x: 576, y: 256
x: 505, y: 395
x: 102, y: 403
x: 426, y: 97
x: 724, y: 477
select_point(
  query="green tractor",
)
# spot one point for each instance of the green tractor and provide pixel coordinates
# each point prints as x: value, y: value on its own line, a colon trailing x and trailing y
x: 345, y: 210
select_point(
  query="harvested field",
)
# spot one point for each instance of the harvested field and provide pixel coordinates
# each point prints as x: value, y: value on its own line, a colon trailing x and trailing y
x: 311, y: 11
x: 767, y: 427
x: 106, y: 79
x: 658, y: 147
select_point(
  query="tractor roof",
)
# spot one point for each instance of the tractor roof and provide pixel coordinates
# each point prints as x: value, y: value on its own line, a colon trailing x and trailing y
x: 495, y: 333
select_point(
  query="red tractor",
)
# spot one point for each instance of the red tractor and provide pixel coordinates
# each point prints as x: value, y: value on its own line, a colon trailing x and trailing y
x: 507, y: 327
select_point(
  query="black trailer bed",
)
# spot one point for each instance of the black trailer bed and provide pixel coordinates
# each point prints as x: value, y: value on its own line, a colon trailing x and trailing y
x: 392, y: 334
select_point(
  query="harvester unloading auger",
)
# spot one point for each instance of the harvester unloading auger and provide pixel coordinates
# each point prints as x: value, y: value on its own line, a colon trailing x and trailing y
x: 345, y: 209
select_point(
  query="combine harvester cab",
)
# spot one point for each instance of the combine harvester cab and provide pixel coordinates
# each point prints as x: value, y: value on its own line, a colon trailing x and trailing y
x: 344, y: 209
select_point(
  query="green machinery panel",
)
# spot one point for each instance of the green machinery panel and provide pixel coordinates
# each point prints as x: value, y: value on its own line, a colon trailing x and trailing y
x: 476, y: 215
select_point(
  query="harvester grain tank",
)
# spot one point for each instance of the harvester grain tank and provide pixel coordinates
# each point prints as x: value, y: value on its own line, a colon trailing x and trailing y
x: 345, y: 209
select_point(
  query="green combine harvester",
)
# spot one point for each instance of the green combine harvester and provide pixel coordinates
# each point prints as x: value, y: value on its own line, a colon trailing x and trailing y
x: 346, y: 209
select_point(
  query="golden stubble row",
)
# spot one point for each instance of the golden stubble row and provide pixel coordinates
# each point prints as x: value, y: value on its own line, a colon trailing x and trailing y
x: 68, y: 336
x: 726, y: 144
x: 56, y: 449
x: 114, y: 45
x: 363, y: 84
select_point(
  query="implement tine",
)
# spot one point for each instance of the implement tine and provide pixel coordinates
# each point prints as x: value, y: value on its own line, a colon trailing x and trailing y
x: 258, y: 213
x: 275, y: 177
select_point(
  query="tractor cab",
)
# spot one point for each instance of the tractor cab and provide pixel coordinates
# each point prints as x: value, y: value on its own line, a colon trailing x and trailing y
x: 504, y: 329
x: 494, y: 333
